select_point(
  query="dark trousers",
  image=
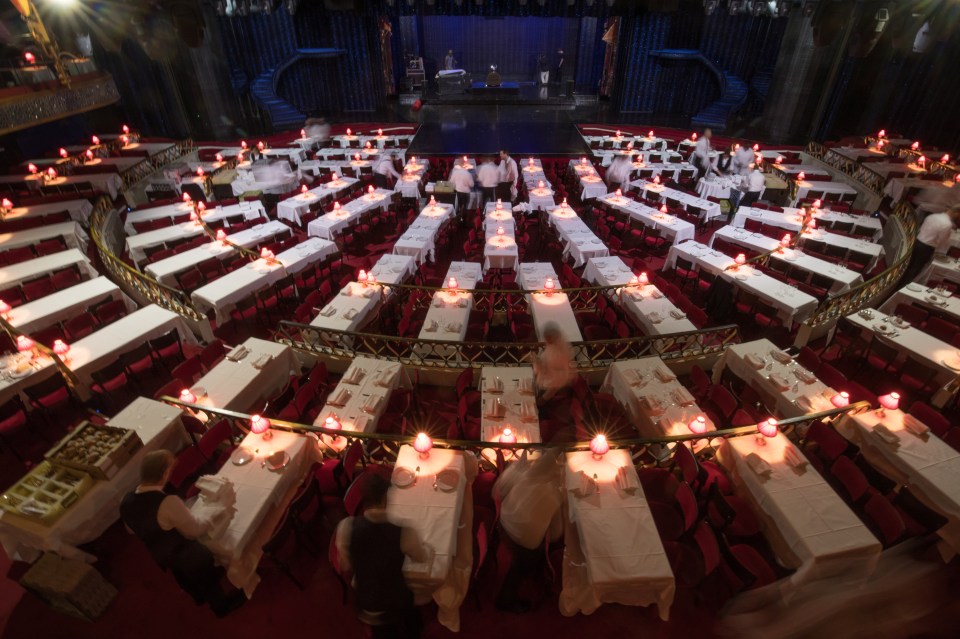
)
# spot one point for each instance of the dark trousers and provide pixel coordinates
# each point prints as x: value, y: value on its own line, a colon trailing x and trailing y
x: 699, y: 166
x: 488, y: 195
x: 739, y: 198
x: 404, y: 624
x: 525, y: 563
x: 921, y: 256
x: 380, y: 181
x: 557, y: 75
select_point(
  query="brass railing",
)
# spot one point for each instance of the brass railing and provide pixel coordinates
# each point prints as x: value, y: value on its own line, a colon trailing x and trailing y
x: 833, y: 308
x: 428, y: 353
x: 384, y: 447
x: 71, y: 378
x: 142, y: 284
x: 859, y: 171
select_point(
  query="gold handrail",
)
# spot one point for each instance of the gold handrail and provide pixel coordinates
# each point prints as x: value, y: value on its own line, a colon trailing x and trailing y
x: 73, y: 382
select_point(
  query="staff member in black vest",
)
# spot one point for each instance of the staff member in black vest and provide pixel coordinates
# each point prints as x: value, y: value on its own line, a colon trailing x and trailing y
x: 375, y: 549
x: 170, y: 531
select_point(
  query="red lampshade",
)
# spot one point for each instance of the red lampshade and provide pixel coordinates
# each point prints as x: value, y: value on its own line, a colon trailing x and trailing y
x: 259, y: 424
x: 694, y: 136
x: 349, y: 132
x: 199, y: 171
x: 60, y: 347
x: 656, y: 179
x: 240, y: 157
x: 778, y: 160
x: 465, y: 161
x: 379, y: 132
x: 643, y: 278
x: 500, y: 230
x: 890, y: 401
x: 243, y: 144
x: 303, y: 133
x: 801, y: 176
x: 499, y: 205
x: 304, y: 189
x: 336, y: 206
x: 634, y: 280
x: 356, y: 156
x: 618, y: 133
x: 564, y: 203
x: 186, y: 197
x: 63, y: 152
x: 266, y: 253
x: 370, y: 189
x: 193, y: 216
x: 619, y: 193
x: 334, y: 177
x: 201, y: 207
x: 841, y: 399
x: 650, y: 133
x: 7, y: 204
x: 187, y: 396
x: 956, y: 178
x: 915, y: 145
x: 640, y: 158
x: 433, y: 201
x: 371, y: 279
x: 540, y: 184
x: 599, y: 446
x: 756, y: 147
x: 332, y: 423
x: 452, y: 283
x: 95, y: 140
x: 583, y: 161
x: 698, y: 425
x: 508, y: 437
x: 32, y: 167
x: 413, y: 159
x: 24, y: 343
x: 261, y: 145
x: 362, y: 276
x: 880, y: 144
x: 549, y: 284
x: 768, y: 427
x: 4, y: 308
x: 221, y: 235
x: 125, y: 128
x: 89, y: 154
x: 629, y: 146
x: 29, y: 57
x: 52, y: 173
x: 422, y: 444
x: 530, y: 162
x: 882, y: 134
x: 663, y: 209
x: 740, y: 259
x: 126, y: 140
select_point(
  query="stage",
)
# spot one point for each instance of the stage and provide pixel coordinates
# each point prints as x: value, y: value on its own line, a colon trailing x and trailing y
x: 485, y: 129
x: 510, y: 92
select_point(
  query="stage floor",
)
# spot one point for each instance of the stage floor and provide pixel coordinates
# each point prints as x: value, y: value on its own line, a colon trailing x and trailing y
x: 475, y: 129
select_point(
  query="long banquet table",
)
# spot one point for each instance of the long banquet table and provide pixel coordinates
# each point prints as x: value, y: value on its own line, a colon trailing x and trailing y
x: 548, y: 308
x: 72, y: 233
x: 249, y: 210
x: 13, y: 274
x: 449, y: 313
x: 79, y: 210
x: 508, y: 401
x: 360, y: 399
x: 942, y: 302
x: 66, y: 303
x: 792, y: 220
x: 708, y: 210
x: 249, y: 373
x: 669, y: 226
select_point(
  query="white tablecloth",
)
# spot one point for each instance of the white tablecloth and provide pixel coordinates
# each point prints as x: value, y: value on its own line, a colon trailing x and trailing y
x: 165, y: 270
x: 792, y: 304
x: 159, y: 427
x: 367, y: 385
x: 79, y: 210
x: 240, y: 385
x: 293, y: 207
x: 719, y: 186
x: 804, y: 187
x: 222, y: 294
x: 334, y: 223
x: 138, y: 244
x: 647, y: 304
x: 800, y: 396
x: 511, y: 398
x: 72, y: 233
x: 152, y: 148
x: 350, y: 308
x: 791, y: 220
x: 547, y: 308
x: 500, y: 251
x: 419, y: 240
x: 262, y: 496
x: 940, y: 268
x: 710, y: 209
x: 619, y: 544
x: 925, y: 463
x: 917, y: 295
x: 249, y: 211
x: 276, y: 186
x: 672, y: 228
x: 808, y: 525
x: 844, y: 279
x: 12, y: 274
x: 109, y: 183
x: 65, y: 304
x: 449, y: 312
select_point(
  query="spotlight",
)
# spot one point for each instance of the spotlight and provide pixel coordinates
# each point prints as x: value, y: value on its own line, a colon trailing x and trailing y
x: 63, y: 3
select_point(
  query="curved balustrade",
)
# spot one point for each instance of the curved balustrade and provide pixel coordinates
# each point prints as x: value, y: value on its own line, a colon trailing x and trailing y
x: 644, y: 451
x: 860, y: 172
x: 427, y: 353
x: 144, y: 286
x: 72, y: 381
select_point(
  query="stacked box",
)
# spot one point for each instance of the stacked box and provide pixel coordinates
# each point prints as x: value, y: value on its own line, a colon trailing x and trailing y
x: 69, y: 586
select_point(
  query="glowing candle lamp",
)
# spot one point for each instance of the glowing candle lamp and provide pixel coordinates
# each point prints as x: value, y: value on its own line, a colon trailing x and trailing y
x: 841, y: 399
x: 768, y: 427
x: 890, y: 401
x: 261, y: 426
x: 32, y: 167
x: 221, y: 236
x: 741, y: 259
x: 508, y: 437
x: 422, y: 444
x: 698, y: 425
x: 452, y: 283
x: 24, y: 344
x: 643, y: 279
x: 599, y: 446
x: 95, y: 140
x: 63, y: 152
x: 187, y: 396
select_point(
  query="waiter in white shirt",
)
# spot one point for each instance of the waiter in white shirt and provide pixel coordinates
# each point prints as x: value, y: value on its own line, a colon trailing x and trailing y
x: 449, y: 62
x: 701, y: 155
x: 751, y: 188
x: 463, y: 183
x: 508, y: 174
x: 619, y: 171
x: 488, y: 177
x: 933, y: 237
x: 384, y: 170
x: 743, y: 160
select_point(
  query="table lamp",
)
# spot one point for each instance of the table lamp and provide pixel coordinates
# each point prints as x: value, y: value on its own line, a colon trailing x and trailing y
x: 599, y: 446
x: 698, y: 425
x: 187, y: 396
x: 508, y: 437
x: 261, y: 426
x: 63, y: 152
x: 841, y: 399
x: 422, y: 444
x: 890, y: 401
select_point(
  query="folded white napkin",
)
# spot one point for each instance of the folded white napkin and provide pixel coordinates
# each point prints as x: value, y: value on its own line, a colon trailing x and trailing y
x: 528, y: 412
x: 755, y: 361
x: 758, y: 465
x: 384, y: 378
x: 664, y: 375
x: 347, y: 290
x: 780, y: 356
x: 262, y: 361
x: 793, y: 457
x: 454, y: 327
x: 884, y: 433
x: 637, y: 378
x: 626, y: 479
x: 328, y: 311
x: 212, y: 487
x: 654, y: 318
x: 372, y: 404
x: 340, y: 398
x: 804, y: 375
x: 437, y: 301
x: 367, y: 292
x: 654, y: 407
x: 350, y: 314
x: 354, y: 376
x: 462, y: 302
x: 779, y: 381
x: 914, y: 425
x: 492, y: 408
x: 676, y: 313
x: 238, y: 353
x: 682, y: 396
x: 525, y: 386
x: 494, y: 385
x: 656, y: 293
x: 587, y: 485
x: 432, y: 326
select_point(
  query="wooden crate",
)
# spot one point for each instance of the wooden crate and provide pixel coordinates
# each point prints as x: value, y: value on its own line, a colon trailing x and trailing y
x: 125, y: 444
x: 45, y: 493
x: 69, y: 586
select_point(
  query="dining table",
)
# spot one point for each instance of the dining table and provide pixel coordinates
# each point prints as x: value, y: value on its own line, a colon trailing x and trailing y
x: 246, y: 210
x: 361, y: 397
x: 64, y: 304
x: 448, y: 316
x: 941, y: 301
x: 500, y: 250
x: 71, y: 233
x: 249, y: 374
x: 705, y: 209
x: 508, y: 400
x: 670, y: 227
x: 13, y: 274
x: 791, y: 219
x: 79, y: 210
x: 548, y: 306
x: 336, y: 222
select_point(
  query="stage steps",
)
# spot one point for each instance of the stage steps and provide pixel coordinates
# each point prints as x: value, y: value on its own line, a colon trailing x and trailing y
x: 263, y: 88
x: 733, y: 90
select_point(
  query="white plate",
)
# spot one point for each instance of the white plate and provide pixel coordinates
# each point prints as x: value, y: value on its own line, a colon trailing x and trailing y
x: 241, y: 457
x: 403, y: 477
x: 448, y: 480
x: 279, y: 465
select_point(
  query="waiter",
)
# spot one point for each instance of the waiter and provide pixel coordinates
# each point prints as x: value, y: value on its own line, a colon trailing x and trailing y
x: 449, y: 63
x: 169, y: 531
x: 544, y: 68
x: 558, y: 70
x: 508, y: 174
x: 384, y: 170
x: 701, y: 155
x: 933, y: 237
x: 463, y: 183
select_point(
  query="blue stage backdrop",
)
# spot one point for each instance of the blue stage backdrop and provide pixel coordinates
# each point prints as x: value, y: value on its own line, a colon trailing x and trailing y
x: 513, y: 44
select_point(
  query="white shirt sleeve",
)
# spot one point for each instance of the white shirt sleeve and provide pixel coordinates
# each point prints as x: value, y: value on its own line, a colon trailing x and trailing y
x: 935, y: 231
x: 174, y: 514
